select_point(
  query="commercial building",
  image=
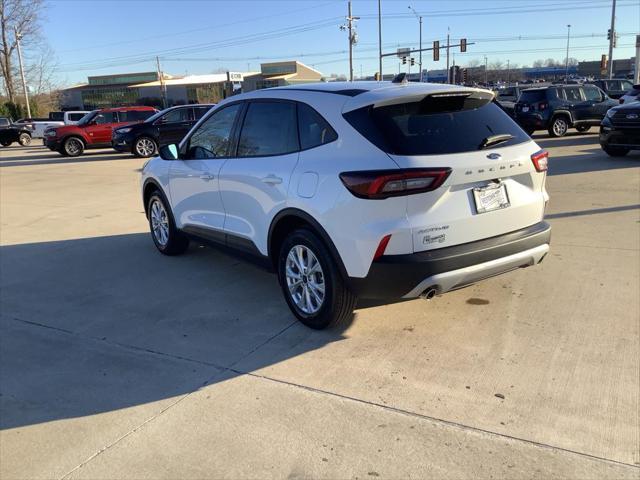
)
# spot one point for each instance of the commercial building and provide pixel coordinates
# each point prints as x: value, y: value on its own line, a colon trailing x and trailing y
x: 148, y: 88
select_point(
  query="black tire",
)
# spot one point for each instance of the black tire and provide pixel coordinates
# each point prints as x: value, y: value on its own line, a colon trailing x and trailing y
x: 24, y: 139
x: 615, y: 151
x: 176, y: 242
x: 583, y: 128
x: 72, y: 147
x: 338, y: 303
x: 6, y: 144
x: 559, y: 126
x: 141, y: 144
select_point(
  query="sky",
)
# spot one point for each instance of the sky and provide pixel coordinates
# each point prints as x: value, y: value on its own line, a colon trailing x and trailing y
x: 102, y: 37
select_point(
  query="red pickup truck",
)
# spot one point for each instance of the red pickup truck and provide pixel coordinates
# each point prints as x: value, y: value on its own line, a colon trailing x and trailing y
x: 94, y: 130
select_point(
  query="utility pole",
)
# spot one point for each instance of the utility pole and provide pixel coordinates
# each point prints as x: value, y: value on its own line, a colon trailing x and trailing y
x: 163, y: 92
x: 508, y: 71
x: 485, y: 71
x: 352, y: 39
x: 566, y: 62
x: 448, y: 73
x: 380, y: 38
x: 636, y: 75
x: 24, y: 82
x: 420, y: 57
x: 612, y: 37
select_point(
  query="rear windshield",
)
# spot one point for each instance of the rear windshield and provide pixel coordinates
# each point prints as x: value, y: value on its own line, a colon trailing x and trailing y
x: 532, y: 96
x: 432, y: 127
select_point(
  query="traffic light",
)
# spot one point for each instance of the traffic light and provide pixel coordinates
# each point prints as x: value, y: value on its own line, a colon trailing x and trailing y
x: 464, y: 75
x: 404, y: 60
x: 463, y: 44
x: 603, y: 62
x: 413, y: 61
x: 436, y: 51
x: 609, y: 34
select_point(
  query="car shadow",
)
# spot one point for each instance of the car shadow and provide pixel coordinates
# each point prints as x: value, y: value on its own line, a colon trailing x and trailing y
x: 100, y: 324
x: 41, y: 156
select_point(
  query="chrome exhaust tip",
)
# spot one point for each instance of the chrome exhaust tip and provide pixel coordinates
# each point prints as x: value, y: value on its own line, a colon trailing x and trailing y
x: 429, y: 293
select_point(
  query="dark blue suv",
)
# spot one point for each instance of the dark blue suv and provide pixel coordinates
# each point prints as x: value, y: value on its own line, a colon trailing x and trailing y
x: 557, y: 108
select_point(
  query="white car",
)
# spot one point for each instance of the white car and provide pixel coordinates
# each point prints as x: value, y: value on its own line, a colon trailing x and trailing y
x: 39, y: 125
x: 350, y: 190
x: 632, y: 95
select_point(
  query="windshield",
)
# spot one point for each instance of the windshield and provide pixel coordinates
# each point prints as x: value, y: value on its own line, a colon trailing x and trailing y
x: 87, y: 118
x: 157, y: 115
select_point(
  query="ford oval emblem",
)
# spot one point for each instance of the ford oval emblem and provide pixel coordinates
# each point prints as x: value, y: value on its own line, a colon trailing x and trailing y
x: 632, y: 116
x: 494, y: 156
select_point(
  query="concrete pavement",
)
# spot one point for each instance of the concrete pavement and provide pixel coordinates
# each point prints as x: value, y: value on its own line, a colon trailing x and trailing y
x: 118, y: 362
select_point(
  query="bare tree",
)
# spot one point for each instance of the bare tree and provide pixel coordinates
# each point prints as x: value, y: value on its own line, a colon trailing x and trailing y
x: 538, y: 64
x: 22, y: 16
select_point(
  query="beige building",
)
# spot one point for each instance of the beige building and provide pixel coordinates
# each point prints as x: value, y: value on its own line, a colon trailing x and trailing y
x: 279, y: 74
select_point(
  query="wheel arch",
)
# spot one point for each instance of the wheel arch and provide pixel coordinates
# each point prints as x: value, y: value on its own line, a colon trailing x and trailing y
x: 290, y: 219
x: 74, y: 135
x: 564, y: 113
x: 151, y: 185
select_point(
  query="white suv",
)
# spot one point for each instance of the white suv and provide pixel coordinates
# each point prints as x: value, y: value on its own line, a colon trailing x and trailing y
x: 349, y: 190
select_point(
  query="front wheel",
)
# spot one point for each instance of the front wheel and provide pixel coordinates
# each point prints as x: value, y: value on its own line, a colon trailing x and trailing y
x: 615, y: 151
x: 73, y: 147
x: 144, y: 147
x: 167, y: 238
x: 559, y: 127
x: 24, y: 139
x: 311, y: 282
x: 583, y: 128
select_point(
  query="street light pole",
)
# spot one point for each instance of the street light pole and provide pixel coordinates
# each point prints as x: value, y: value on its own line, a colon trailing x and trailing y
x: 508, y: 71
x: 24, y: 82
x: 485, y: 71
x: 448, y: 73
x: 566, y: 62
x: 420, y: 22
x: 612, y: 39
x: 380, y: 38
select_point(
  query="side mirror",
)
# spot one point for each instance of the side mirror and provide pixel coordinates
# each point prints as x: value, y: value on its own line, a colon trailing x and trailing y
x: 169, y: 152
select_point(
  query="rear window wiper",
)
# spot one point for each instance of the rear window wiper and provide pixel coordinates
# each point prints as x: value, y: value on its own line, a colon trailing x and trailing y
x: 495, y: 140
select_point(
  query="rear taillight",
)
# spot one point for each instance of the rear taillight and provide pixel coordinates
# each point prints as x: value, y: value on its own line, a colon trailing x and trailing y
x: 380, y: 184
x: 540, y: 160
x: 543, y: 106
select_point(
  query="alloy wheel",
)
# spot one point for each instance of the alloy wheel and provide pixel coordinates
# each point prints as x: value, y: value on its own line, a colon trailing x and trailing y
x: 145, y: 147
x: 73, y: 146
x: 305, y: 279
x: 24, y: 139
x: 159, y: 223
x: 560, y: 126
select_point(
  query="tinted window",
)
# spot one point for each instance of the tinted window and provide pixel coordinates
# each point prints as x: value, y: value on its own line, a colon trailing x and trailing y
x: 572, y: 94
x: 269, y: 129
x: 177, y: 115
x: 314, y: 130
x: 507, y: 92
x: 592, y: 94
x: 104, y: 117
x: 74, y: 117
x: 56, y: 116
x: 418, y: 129
x: 211, y: 139
x: 532, y: 96
x: 4, y: 122
x: 200, y: 112
x: 134, y: 115
x: 626, y: 85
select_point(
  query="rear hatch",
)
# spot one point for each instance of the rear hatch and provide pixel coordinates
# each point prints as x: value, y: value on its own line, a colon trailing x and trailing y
x: 531, y: 101
x: 493, y: 186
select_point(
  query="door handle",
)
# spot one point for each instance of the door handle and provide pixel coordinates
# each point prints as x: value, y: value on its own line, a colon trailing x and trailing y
x: 272, y: 179
x: 207, y: 176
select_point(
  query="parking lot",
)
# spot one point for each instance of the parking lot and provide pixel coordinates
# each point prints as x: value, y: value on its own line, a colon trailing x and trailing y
x: 119, y: 362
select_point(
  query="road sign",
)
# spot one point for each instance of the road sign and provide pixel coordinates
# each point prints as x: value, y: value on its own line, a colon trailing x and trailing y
x: 403, y: 52
x: 234, y: 77
x: 436, y: 50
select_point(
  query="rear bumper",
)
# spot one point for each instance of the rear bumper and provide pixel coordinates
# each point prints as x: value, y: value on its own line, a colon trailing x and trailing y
x: 450, y: 268
x: 531, y: 121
